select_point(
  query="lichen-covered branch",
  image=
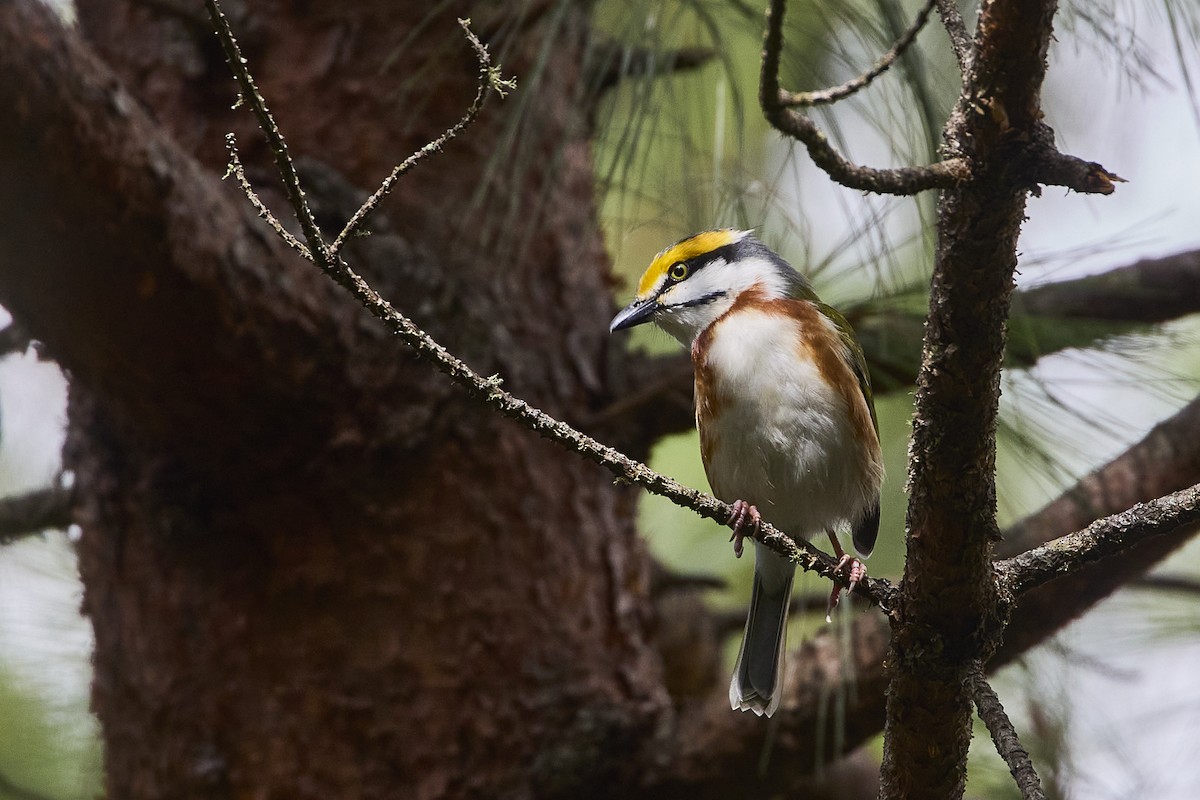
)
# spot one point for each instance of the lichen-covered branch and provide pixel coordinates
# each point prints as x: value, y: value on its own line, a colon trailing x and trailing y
x: 956, y: 29
x: 266, y: 123
x: 1004, y: 736
x: 1104, y: 538
x: 490, y: 80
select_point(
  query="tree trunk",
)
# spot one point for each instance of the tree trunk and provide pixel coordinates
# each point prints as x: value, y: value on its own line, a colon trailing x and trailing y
x: 315, y: 569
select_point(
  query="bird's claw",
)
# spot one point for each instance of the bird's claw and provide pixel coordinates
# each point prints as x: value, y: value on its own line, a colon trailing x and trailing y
x: 737, y: 520
x: 856, y: 572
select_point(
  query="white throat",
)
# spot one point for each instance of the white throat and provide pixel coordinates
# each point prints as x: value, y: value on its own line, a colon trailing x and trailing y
x: 687, y: 308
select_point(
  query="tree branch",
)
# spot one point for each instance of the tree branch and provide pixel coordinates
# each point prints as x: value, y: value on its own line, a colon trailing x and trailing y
x: 239, y: 174
x: 1052, y: 168
x: 1040, y: 162
x: 842, y: 91
x: 488, y: 389
x: 27, y: 514
x: 326, y: 256
x: 1102, y: 539
x: 1004, y: 735
x: 949, y: 615
x: 1150, y: 290
x: 900, y: 180
x: 490, y: 80
x: 663, y: 580
x: 1166, y: 460
x: 960, y: 40
x: 248, y: 93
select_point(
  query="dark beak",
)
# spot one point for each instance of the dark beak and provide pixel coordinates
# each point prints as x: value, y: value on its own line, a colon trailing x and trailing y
x: 635, y: 313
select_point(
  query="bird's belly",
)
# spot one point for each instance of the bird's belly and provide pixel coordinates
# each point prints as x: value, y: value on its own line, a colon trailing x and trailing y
x: 781, y: 437
x: 799, y: 466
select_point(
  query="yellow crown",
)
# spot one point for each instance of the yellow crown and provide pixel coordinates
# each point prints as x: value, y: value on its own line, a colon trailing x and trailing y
x: 685, y: 250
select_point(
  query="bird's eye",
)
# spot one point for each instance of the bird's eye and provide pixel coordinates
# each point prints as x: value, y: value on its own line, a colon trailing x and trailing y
x: 679, y: 271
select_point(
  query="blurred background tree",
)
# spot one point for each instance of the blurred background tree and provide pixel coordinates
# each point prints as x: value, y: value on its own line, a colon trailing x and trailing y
x: 668, y: 128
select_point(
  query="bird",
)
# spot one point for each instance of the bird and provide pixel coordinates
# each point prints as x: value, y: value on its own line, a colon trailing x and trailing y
x: 785, y: 414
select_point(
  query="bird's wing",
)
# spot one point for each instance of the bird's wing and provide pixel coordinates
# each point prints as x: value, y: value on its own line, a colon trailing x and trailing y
x: 854, y: 357
x: 866, y: 531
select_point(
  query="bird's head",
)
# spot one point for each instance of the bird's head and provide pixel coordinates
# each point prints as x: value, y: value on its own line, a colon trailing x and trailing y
x: 698, y: 279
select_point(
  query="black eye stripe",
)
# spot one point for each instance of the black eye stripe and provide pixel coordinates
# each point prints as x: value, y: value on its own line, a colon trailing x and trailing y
x: 701, y: 300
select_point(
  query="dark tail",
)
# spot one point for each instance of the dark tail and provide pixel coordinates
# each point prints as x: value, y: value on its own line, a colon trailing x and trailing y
x: 867, y: 531
x: 758, y: 676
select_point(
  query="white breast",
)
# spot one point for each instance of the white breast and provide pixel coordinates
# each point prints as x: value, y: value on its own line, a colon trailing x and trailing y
x: 783, y: 438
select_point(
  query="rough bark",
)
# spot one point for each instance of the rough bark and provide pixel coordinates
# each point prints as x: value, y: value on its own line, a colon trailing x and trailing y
x: 300, y: 548
x: 949, y: 617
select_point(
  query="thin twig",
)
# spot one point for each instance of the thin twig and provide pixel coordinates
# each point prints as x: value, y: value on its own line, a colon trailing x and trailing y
x: 1004, y: 735
x: 236, y: 169
x: 835, y: 93
x: 898, y: 181
x: 490, y: 80
x: 488, y: 390
x: 956, y: 29
x: 266, y: 123
x: 31, y: 513
x: 1103, y: 538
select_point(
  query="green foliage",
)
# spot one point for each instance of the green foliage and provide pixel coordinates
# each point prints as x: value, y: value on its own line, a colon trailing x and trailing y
x: 44, y: 752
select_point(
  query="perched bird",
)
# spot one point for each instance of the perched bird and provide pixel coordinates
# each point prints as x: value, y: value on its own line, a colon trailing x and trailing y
x: 786, y: 420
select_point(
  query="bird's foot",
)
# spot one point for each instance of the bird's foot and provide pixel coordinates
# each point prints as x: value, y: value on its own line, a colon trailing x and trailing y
x: 856, y: 572
x: 742, y: 511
